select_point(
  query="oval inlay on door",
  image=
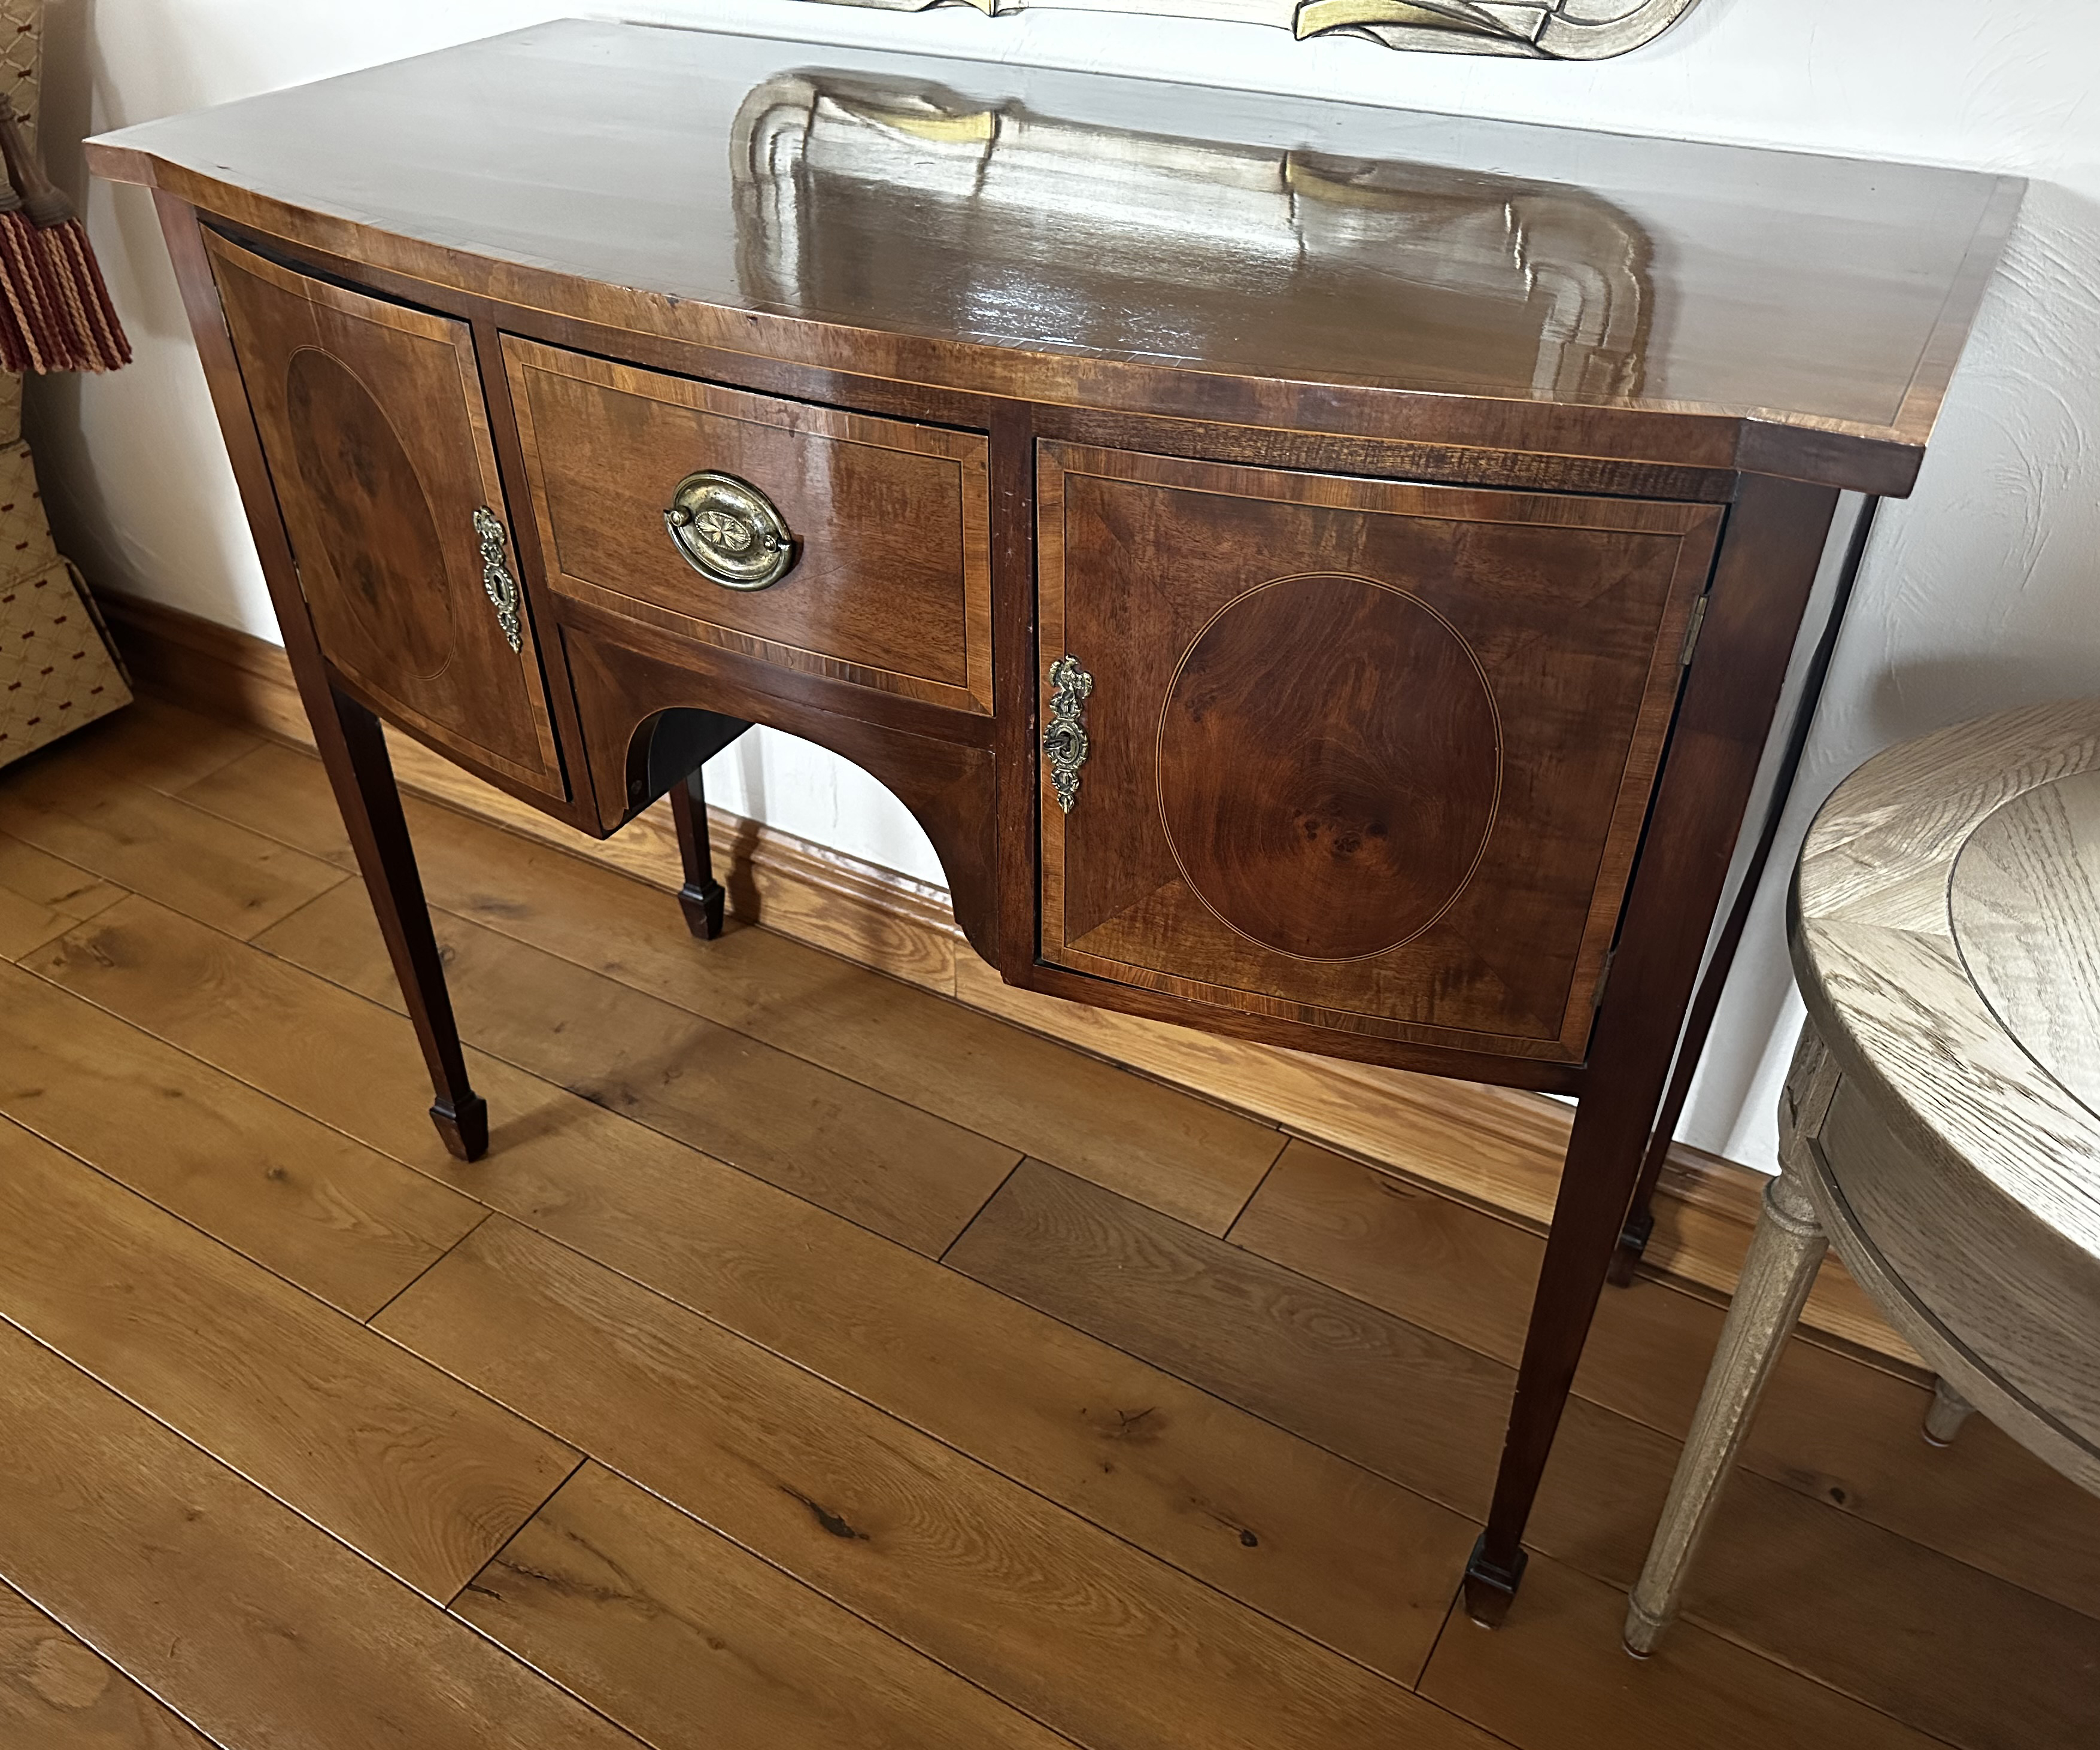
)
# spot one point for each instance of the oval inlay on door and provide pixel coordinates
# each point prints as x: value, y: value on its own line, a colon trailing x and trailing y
x: 1330, y: 765
x: 382, y: 542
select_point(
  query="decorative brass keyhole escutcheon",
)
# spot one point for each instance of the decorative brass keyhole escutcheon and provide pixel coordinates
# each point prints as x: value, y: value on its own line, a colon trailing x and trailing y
x: 1065, y: 744
x: 496, y: 578
x: 729, y: 532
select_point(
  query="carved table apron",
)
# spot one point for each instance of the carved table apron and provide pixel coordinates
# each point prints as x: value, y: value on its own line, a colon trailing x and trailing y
x: 1320, y: 574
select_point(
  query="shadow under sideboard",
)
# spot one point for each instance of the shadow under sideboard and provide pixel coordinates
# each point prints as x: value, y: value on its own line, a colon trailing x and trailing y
x: 1499, y: 1148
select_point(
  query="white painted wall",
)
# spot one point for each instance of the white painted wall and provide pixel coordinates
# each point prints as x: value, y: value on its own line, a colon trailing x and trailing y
x: 1978, y: 592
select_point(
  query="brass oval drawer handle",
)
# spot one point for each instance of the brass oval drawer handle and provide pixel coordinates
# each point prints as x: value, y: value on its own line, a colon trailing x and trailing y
x: 496, y: 578
x: 729, y: 532
x: 1064, y: 743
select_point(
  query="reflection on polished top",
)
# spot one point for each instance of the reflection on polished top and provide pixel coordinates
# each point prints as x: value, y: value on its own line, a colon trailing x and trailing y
x: 1108, y: 240
x: 1119, y: 224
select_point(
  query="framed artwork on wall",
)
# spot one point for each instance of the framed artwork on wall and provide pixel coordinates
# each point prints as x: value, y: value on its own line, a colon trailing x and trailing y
x: 1576, y: 30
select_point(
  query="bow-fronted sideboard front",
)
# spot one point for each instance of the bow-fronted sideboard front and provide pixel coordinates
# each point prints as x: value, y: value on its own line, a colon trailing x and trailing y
x: 1320, y: 574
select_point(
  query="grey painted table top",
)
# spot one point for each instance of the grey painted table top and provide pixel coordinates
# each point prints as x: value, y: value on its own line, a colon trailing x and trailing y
x: 1946, y: 933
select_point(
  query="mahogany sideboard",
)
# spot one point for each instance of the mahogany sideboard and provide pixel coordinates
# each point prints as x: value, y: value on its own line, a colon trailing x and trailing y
x: 1317, y: 573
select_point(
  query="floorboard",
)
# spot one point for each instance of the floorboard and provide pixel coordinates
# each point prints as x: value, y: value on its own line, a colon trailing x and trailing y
x: 1412, y: 1405
x: 150, y: 843
x: 42, y: 897
x: 57, y: 1693
x: 1182, y: 1155
x: 1102, y: 1123
x: 1785, y: 1574
x: 1848, y: 1435
x: 247, y: 1619
x: 935, y: 1384
x: 693, y: 1643
x: 152, y: 742
x: 281, y: 792
x: 338, y: 1218
x: 905, y: 1173
x: 1555, y: 1677
x: 1057, y: 1618
x: 394, y: 1457
x: 1314, y: 1540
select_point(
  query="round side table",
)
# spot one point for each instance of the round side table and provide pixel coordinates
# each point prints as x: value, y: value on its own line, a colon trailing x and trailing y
x: 1941, y: 1123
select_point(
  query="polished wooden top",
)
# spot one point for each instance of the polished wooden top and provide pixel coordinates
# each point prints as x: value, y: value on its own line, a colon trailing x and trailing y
x: 1947, y: 937
x: 1141, y: 245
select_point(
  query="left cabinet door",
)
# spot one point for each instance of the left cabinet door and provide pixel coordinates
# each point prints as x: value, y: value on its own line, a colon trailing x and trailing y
x: 372, y: 421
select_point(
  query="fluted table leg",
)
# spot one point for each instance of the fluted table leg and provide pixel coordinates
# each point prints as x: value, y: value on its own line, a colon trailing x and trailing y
x: 1777, y: 1275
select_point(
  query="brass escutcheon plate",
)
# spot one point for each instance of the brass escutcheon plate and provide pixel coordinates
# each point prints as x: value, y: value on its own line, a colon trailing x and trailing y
x: 729, y: 532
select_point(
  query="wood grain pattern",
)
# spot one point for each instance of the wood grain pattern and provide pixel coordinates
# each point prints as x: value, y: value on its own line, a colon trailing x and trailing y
x: 1970, y: 1658
x: 1958, y: 1653
x: 1328, y: 1368
x: 1400, y: 1246
x: 1049, y: 1614
x: 1170, y: 1150
x: 2024, y: 903
x: 25, y: 924
x: 1839, y: 1433
x: 546, y: 207
x: 152, y: 1532
x: 1211, y: 855
x: 1556, y: 1678
x: 891, y: 587
x: 688, y: 1641
x: 42, y: 896
x: 393, y: 1457
x: 1806, y: 1599
x: 57, y: 1693
x: 1330, y: 763
x: 151, y: 742
x: 285, y: 793
x: 1314, y: 1541
x: 902, y: 1172
x: 372, y: 417
x: 139, y: 839
x: 1498, y: 1147
x: 1959, y: 1151
x: 344, y: 1223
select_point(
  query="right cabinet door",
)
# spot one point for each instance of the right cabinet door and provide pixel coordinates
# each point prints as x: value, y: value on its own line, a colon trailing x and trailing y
x: 1350, y: 753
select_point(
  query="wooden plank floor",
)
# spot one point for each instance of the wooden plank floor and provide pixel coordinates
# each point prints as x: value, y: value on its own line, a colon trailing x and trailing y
x: 815, y: 1361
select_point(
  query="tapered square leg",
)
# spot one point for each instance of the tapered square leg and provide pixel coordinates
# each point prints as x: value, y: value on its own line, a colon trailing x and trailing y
x: 1633, y: 1244
x: 465, y: 1131
x: 1604, y: 1158
x: 1771, y: 553
x: 1490, y: 1586
x: 362, y: 778
x: 702, y: 898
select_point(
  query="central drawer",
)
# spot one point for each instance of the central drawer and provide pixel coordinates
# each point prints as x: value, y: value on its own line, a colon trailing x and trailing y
x: 890, y: 585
